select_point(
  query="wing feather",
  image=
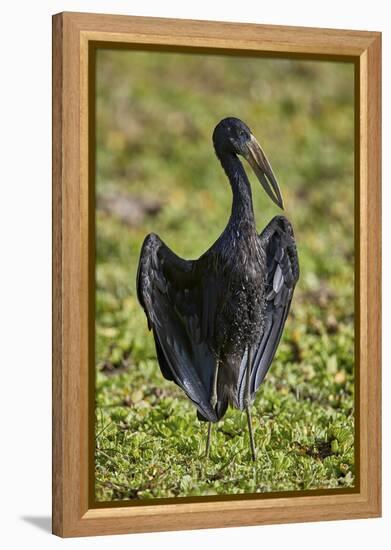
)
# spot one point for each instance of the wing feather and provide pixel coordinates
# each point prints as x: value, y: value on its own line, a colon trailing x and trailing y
x: 282, y: 276
x: 180, y: 312
x: 278, y: 241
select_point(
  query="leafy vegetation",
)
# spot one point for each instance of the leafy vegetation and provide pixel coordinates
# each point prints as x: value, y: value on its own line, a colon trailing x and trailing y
x: 155, y: 116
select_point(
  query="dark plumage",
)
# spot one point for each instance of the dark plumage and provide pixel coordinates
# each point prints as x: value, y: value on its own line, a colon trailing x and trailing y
x: 217, y: 321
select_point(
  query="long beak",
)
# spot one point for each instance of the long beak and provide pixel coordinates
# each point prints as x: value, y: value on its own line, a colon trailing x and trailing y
x: 259, y: 163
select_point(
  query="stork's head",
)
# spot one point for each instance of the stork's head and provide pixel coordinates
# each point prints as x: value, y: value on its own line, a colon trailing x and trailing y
x: 233, y: 136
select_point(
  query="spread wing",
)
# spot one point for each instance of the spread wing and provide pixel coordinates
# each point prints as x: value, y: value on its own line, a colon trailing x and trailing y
x: 180, y: 309
x: 277, y: 239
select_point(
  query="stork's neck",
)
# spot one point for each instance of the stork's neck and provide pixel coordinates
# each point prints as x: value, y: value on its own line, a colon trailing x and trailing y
x: 242, y: 202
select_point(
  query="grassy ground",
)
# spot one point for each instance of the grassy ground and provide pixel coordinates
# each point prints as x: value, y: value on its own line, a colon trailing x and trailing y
x: 155, y: 116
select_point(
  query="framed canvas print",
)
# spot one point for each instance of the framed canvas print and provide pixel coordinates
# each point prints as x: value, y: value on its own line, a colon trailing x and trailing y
x: 216, y: 274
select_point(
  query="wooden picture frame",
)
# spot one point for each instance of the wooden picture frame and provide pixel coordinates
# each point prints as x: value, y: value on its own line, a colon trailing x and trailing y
x: 74, y: 37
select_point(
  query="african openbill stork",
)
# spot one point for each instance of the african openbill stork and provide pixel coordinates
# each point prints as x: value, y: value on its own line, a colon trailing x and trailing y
x: 217, y: 321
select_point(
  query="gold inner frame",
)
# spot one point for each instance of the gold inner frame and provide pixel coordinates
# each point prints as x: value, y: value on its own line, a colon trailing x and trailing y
x: 92, y: 47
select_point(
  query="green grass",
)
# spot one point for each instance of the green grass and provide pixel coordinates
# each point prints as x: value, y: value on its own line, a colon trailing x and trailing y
x: 155, y: 116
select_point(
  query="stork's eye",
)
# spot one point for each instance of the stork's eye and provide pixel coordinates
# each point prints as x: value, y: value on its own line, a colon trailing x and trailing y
x: 242, y: 133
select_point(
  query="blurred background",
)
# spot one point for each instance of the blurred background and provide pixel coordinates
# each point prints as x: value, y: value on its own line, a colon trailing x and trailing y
x: 157, y: 171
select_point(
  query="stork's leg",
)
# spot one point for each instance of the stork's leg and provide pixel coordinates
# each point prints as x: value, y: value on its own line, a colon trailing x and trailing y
x: 247, y: 401
x: 213, y: 402
x: 208, y: 440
